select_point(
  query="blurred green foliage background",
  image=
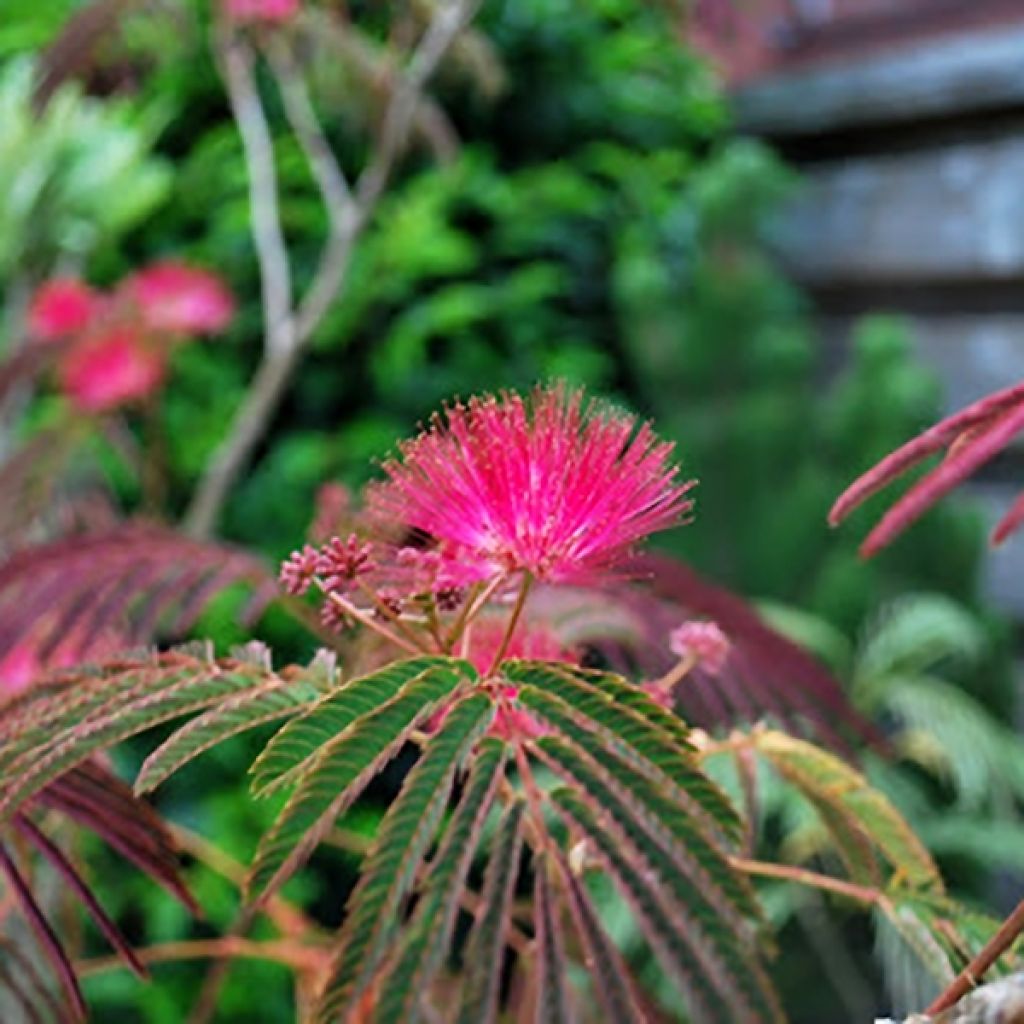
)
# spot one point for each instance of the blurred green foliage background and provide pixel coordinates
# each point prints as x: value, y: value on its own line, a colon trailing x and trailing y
x: 599, y: 220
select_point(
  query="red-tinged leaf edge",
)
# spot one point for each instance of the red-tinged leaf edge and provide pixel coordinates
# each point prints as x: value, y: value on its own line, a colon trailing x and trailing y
x: 932, y: 440
x: 52, y: 853
x: 952, y: 471
x: 45, y: 936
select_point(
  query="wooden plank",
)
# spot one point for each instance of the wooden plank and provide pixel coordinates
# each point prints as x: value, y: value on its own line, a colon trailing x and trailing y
x: 973, y: 71
x: 955, y: 213
x: 972, y: 355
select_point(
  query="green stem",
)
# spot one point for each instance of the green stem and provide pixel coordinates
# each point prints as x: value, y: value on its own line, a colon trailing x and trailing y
x: 517, y: 612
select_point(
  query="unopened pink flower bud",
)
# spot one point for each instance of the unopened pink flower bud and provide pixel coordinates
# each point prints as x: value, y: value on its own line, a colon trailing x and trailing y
x: 703, y: 641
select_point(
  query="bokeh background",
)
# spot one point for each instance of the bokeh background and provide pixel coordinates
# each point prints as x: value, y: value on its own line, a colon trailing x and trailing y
x: 792, y: 233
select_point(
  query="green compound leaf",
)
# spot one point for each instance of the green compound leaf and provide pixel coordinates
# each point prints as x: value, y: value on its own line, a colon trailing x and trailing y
x: 339, y: 771
x: 608, y: 971
x: 237, y: 714
x: 710, y: 965
x: 156, y: 698
x: 825, y: 779
x: 552, y: 998
x: 704, y: 898
x: 293, y: 747
x: 642, y: 742
x: 425, y: 943
x: 693, y: 850
x: 390, y: 872
x: 485, y: 952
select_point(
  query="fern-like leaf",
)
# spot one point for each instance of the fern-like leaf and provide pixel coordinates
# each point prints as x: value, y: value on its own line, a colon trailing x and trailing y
x: 485, y: 952
x: 239, y: 713
x: 612, y: 984
x: 426, y: 939
x: 338, y: 773
x: 126, y: 582
x: 552, y: 999
x: 389, y: 874
x: 145, y: 704
x: 824, y: 778
x: 705, y: 915
x: 639, y: 739
x: 292, y: 748
x: 666, y: 935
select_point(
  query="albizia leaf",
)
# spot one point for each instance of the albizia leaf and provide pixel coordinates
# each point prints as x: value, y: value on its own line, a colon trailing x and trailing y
x: 240, y: 712
x: 292, y: 747
x: 78, y: 592
x: 666, y: 936
x: 709, y: 923
x: 339, y: 772
x: 168, y: 698
x: 45, y: 936
x: 71, y: 877
x: 93, y: 798
x: 390, y: 869
x: 826, y: 778
x: 425, y: 941
x: 612, y: 984
x: 962, y: 461
x: 669, y: 822
x: 485, y: 952
x: 640, y: 740
x: 929, y: 442
x: 552, y: 998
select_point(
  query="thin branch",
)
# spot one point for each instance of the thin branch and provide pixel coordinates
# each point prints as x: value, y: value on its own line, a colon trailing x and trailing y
x: 283, y: 951
x: 287, y: 333
x: 236, y: 59
x: 969, y: 977
x: 801, y: 876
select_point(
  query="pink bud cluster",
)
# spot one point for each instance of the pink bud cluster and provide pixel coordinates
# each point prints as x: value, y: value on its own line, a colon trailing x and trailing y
x: 112, y: 348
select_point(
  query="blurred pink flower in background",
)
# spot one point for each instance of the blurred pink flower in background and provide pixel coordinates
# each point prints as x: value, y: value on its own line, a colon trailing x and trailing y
x: 120, y: 343
x: 268, y: 11
x: 61, y: 307
x: 179, y: 299
x: 111, y: 368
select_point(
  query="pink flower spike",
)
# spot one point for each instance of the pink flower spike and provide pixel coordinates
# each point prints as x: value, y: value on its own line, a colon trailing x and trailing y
x: 962, y: 461
x: 703, y: 641
x: 110, y: 369
x: 61, y: 307
x: 271, y: 12
x: 934, y: 439
x: 179, y: 299
x: 548, y: 485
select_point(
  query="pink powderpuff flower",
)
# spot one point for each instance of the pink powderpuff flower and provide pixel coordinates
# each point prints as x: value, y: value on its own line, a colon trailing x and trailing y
x: 112, y: 368
x: 271, y: 12
x: 703, y: 641
x: 179, y: 299
x: 549, y: 486
x: 62, y: 307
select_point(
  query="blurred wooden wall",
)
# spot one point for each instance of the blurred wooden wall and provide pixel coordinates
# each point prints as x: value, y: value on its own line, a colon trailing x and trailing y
x: 906, y: 119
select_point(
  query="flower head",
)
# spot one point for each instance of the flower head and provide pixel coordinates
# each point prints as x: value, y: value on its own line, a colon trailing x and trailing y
x: 552, y: 486
x: 180, y: 299
x: 61, y: 307
x: 111, y: 368
x: 704, y: 642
